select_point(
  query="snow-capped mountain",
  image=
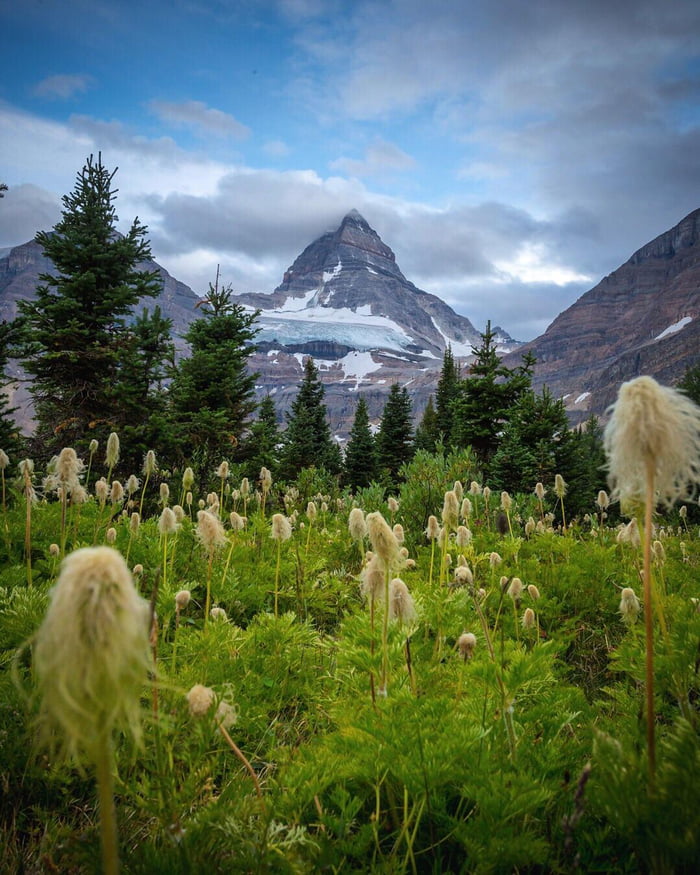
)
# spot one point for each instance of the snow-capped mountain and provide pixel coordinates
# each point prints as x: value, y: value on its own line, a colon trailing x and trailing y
x: 345, y: 302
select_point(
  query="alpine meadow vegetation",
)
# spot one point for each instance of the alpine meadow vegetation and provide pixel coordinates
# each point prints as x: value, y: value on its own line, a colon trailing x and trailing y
x: 225, y: 647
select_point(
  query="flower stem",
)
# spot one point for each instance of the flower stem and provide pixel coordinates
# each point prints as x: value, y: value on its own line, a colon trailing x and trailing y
x: 108, y: 816
x: 648, y: 621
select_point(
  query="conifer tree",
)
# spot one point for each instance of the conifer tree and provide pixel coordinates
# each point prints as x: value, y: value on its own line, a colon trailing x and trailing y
x: 690, y: 383
x: 395, y: 436
x: 444, y: 397
x: 485, y: 398
x: 212, y: 393
x: 261, y: 447
x: 360, y: 463
x: 428, y: 430
x: 307, y: 438
x: 10, y: 441
x: 78, y: 324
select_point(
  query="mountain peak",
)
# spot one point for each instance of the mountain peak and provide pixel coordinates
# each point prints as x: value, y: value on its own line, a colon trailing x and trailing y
x: 354, y: 217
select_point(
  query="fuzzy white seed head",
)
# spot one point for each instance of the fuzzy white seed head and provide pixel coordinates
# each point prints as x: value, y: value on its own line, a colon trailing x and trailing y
x: 164, y: 491
x: 223, y: 471
x: 450, y: 510
x: 281, y: 527
x: 515, y: 589
x: 463, y: 575
x: 54, y: 550
x: 182, y: 599
x: 265, y: 479
x: 112, y: 453
x: 187, y: 479
x: 653, y: 430
x: 466, y: 644
x: 382, y: 539
x: 629, y: 606
x: 237, y: 522
x: 540, y: 491
x: 486, y: 493
x: 111, y: 535
x: 218, y: 615
x: 433, y: 530
x: 132, y: 485
x: 528, y: 619
x: 559, y: 486
x: 458, y: 489
x: 137, y: 570
x: 357, y: 526
x: 150, y: 464
x: 134, y: 523
x: 401, y: 605
x: 392, y: 504
x: 373, y: 579
x: 91, y: 653
x: 311, y: 511
x: 93, y: 446
x: 494, y: 560
x: 167, y: 522
x: 245, y: 487
x: 399, y: 533
x: 603, y: 499
x: 464, y: 536
x: 102, y: 490
x: 465, y: 510
x: 533, y: 592
x: 506, y: 502
x: 210, y: 532
x: 179, y: 512
x: 200, y: 699
x: 474, y: 488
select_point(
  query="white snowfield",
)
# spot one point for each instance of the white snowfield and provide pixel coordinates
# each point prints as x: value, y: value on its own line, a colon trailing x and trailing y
x: 677, y: 326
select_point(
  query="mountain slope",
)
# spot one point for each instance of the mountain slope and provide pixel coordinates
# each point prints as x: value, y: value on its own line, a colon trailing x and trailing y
x: 644, y: 318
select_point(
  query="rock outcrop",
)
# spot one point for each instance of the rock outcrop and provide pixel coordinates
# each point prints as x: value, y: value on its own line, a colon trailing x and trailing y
x: 644, y: 318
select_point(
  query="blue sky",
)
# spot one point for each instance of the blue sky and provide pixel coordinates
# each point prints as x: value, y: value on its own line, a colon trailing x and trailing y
x: 511, y: 153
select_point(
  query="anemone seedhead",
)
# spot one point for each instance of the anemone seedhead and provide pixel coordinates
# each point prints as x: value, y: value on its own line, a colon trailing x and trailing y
x: 210, y: 532
x: 540, y: 491
x: 112, y: 453
x: 237, y: 522
x: 629, y: 605
x: 281, y: 527
x: 187, y: 479
x: 652, y: 431
x: 91, y: 653
x: 382, y: 538
x: 450, y: 509
x: 357, y: 526
x: 528, y: 619
x: 401, y: 605
x: 167, y: 522
x: 182, y: 599
x: 223, y: 472
x: 433, y: 530
x: 466, y: 644
x: 559, y: 486
x: 150, y: 464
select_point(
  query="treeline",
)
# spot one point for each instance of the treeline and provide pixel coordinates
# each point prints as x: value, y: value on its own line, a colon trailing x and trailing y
x: 96, y: 369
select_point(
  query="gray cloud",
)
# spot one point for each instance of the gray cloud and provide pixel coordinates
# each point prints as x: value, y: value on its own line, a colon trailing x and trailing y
x: 197, y: 115
x: 380, y: 158
x: 24, y: 210
x: 63, y: 86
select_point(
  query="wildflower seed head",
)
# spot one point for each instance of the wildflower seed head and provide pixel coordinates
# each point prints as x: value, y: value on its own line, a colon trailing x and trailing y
x: 474, y: 488
x: 218, y: 615
x: 382, y: 539
x: 392, y: 504
x: 629, y: 605
x: 401, y: 605
x: 515, y: 590
x: 116, y: 493
x: 655, y: 429
x: 506, y: 501
x: 134, y: 523
x: 281, y: 527
x: 210, y: 532
x: 373, y: 579
x: 164, y: 493
x: 450, y: 509
x: 463, y: 575
x: 530, y: 527
x: 458, y: 489
x: 683, y: 512
x: 265, y: 479
x: 182, y: 599
x: 533, y: 592
x: 464, y: 536
x: 223, y: 471
x: 398, y: 533
x: 603, y: 500
x: 112, y: 453
x: 657, y: 548
x: 188, y: 499
x: 137, y: 570
x: 528, y: 619
x: 187, y: 479
x: 150, y: 464
x: 167, y: 522
x: 486, y: 493
x: 356, y: 524
x: 91, y: 653
x: 54, y: 550
x: 111, y: 535
x: 494, y: 560
x: 102, y: 490
x: 245, y: 487
x: 559, y: 486
x: 467, y: 645
x: 200, y: 699
x: 69, y: 468
x: 433, y: 530
x: 132, y: 484
x: 93, y: 447
x: 540, y: 491
x: 311, y: 511
x: 465, y: 510
x: 237, y: 522
x: 179, y: 512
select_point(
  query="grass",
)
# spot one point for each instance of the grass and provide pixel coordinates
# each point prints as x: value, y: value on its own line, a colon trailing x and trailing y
x: 529, y: 757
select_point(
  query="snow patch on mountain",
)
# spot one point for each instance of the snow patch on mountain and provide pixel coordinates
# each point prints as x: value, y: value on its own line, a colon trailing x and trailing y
x: 677, y: 326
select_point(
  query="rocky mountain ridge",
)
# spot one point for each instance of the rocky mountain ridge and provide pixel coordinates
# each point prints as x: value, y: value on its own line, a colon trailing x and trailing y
x: 644, y: 318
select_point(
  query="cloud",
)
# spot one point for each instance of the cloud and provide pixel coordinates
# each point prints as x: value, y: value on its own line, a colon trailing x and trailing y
x: 380, y: 157
x: 24, y: 210
x: 63, y: 86
x: 202, y: 118
x: 276, y: 149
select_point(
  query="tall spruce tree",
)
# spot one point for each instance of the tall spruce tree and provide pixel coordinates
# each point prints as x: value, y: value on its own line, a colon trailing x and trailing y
x: 307, y: 438
x: 428, y: 431
x: 445, y: 395
x: 78, y: 335
x: 212, y: 393
x: 261, y: 446
x: 10, y: 440
x: 395, y: 436
x: 484, y: 399
x: 360, y: 462
x: 690, y: 383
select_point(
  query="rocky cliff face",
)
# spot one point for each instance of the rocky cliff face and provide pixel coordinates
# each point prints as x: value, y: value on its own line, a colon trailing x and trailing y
x: 644, y: 318
x: 345, y: 302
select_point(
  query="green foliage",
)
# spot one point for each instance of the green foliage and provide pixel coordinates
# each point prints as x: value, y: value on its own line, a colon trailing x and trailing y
x: 360, y: 463
x: 525, y: 753
x: 446, y: 392
x: 212, y: 392
x: 261, y: 444
x: 394, y: 440
x: 307, y: 439
x: 78, y: 344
